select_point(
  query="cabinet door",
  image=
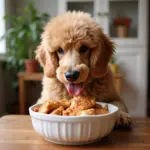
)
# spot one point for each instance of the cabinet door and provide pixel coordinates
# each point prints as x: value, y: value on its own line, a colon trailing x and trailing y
x: 102, y: 14
x: 98, y: 9
x: 125, y: 21
x: 78, y: 5
x: 133, y: 67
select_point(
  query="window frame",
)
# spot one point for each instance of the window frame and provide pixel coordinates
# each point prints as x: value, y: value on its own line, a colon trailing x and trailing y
x: 2, y: 27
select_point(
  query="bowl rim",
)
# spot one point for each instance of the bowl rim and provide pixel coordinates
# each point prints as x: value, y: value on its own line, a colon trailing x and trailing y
x: 38, y: 114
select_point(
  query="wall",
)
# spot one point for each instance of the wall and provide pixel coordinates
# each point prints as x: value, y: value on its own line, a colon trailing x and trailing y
x: 49, y: 6
x: 2, y: 97
x: 148, y: 107
x: 10, y: 10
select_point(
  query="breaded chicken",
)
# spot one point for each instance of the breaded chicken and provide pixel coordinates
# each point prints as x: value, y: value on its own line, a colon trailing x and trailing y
x: 106, y: 107
x: 99, y: 106
x: 82, y: 102
x: 87, y: 112
x: 48, y: 106
x: 103, y: 110
x: 78, y: 104
x: 65, y: 103
x: 58, y: 111
x: 70, y: 112
x: 36, y: 109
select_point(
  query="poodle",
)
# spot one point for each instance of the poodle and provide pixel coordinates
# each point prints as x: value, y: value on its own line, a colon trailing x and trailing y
x: 75, y: 54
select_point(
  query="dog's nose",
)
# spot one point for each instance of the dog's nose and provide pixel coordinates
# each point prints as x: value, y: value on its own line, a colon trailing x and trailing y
x: 72, y: 75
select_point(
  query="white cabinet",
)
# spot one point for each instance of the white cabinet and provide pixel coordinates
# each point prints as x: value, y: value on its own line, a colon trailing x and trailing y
x: 133, y: 66
x: 131, y: 49
x: 105, y: 11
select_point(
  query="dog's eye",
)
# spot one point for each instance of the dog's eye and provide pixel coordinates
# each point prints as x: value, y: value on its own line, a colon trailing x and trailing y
x: 83, y: 49
x: 60, y: 51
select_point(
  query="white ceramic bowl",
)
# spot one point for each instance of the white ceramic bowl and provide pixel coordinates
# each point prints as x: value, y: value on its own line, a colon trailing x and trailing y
x: 74, y: 130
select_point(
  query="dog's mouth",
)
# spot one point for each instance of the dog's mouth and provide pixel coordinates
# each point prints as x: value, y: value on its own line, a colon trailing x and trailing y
x: 74, y: 88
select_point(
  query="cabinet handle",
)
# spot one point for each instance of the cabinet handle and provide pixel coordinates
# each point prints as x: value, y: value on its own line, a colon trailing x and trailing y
x: 103, y: 14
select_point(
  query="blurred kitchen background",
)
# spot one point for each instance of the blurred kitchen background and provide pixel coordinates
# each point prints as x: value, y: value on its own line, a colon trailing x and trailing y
x: 125, y: 21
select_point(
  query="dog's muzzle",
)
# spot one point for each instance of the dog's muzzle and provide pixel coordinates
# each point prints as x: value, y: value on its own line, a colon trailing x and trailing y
x: 72, y: 75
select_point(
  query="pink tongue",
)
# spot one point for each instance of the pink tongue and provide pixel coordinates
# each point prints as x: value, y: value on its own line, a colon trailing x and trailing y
x: 74, y: 89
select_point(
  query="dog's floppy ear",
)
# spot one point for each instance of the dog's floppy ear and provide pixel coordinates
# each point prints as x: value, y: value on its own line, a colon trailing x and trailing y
x: 100, y: 56
x: 48, y: 60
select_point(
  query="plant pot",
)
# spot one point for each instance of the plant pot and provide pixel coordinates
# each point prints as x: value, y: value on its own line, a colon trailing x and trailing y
x: 31, y: 65
x: 122, y: 31
x: 114, y: 68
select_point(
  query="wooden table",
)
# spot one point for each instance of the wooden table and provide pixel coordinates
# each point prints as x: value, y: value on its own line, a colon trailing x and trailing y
x: 16, y: 133
x: 38, y: 77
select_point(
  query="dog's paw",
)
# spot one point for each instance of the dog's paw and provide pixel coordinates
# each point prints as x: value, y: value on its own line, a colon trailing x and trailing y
x: 124, y: 120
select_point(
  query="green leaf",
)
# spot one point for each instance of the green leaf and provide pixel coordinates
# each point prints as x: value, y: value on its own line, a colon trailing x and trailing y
x: 10, y: 59
x: 8, y: 33
x: 20, y: 19
x: 33, y: 28
x: 21, y: 62
x: 21, y: 34
x: 45, y: 17
x: 5, y: 17
x: 113, y: 59
x: 13, y: 42
x: 15, y: 84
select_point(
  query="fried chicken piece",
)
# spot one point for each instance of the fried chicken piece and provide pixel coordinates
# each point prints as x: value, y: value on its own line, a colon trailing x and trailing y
x: 77, y: 112
x: 81, y: 105
x: 103, y: 110
x: 58, y: 111
x: 65, y: 103
x: 99, y: 106
x: 36, y: 109
x: 69, y: 112
x: 82, y: 102
x: 48, y: 106
x: 91, y: 111
x: 78, y: 104
x: 87, y: 112
x: 106, y: 107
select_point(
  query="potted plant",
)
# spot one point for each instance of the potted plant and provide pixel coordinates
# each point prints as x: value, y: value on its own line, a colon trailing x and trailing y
x: 22, y: 39
x: 122, y: 26
x: 113, y: 65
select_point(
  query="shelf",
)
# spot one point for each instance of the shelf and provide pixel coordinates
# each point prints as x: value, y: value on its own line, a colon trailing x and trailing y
x: 37, y: 76
x: 128, y: 42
